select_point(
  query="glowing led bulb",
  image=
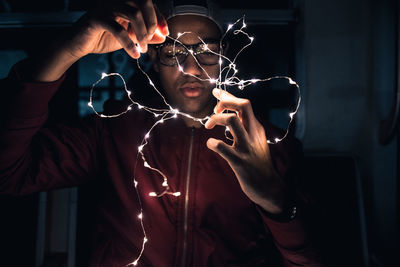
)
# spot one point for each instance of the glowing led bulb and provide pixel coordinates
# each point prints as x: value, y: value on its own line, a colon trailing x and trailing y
x: 140, y: 216
x: 190, y: 51
x: 103, y: 116
x: 103, y: 75
x: 146, y: 164
x: 129, y: 108
x: 251, y: 39
x: 152, y: 194
x: 135, y: 182
x: 179, y: 34
x: 244, y: 25
x: 145, y: 240
x: 253, y: 80
x: 213, y: 80
x: 177, y: 194
x: 220, y: 61
x: 147, y: 136
x: 135, y: 262
x: 292, y: 114
x: 180, y: 69
x: 140, y: 148
x: 161, y: 121
x: 129, y: 93
x: 139, y: 48
x: 291, y: 81
x: 165, y: 184
x: 277, y: 140
x: 90, y: 104
x: 230, y: 26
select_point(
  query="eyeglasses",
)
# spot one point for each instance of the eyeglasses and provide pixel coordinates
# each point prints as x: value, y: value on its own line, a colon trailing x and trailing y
x: 206, y: 53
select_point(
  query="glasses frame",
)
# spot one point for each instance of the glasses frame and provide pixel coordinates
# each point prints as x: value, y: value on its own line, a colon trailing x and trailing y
x: 188, y: 47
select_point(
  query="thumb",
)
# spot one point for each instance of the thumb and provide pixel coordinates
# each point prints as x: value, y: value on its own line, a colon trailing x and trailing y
x: 224, y: 150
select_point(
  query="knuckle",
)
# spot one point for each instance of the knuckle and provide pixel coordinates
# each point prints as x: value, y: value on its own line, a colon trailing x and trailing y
x: 130, y: 46
x: 245, y: 102
x: 152, y: 25
x: 231, y: 119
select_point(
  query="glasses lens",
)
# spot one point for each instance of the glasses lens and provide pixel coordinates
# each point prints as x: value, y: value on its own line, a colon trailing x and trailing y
x: 208, y: 54
x: 170, y: 53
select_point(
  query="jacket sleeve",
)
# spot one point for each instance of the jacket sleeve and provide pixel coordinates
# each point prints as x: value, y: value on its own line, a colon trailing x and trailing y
x: 290, y: 236
x: 34, y: 157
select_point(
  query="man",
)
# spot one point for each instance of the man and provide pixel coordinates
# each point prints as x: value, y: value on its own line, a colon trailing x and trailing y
x: 236, y: 205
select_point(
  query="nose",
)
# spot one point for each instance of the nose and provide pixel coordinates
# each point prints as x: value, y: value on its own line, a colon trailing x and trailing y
x: 190, y: 66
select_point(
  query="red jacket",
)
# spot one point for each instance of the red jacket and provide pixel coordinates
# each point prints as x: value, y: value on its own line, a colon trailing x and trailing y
x: 212, y: 223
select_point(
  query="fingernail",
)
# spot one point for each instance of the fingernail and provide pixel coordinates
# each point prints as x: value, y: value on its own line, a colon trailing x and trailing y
x: 143, y: 47
x: 165, y: 30
x: 215, y: 109
x: 216, y: 92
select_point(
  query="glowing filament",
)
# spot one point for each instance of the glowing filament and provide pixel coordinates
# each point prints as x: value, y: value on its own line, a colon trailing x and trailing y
x: 227, y: 78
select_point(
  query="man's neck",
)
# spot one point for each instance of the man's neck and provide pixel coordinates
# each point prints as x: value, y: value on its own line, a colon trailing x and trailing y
x: 191, y: 123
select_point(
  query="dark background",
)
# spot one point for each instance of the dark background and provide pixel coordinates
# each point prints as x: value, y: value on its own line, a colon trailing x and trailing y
x: 344, y: 56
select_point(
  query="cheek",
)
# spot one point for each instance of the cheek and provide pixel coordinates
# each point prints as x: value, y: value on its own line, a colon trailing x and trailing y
x: 168, y: 77
x: 213, y: 71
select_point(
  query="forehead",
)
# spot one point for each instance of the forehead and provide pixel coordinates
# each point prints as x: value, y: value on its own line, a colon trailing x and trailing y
x: 198, y: 26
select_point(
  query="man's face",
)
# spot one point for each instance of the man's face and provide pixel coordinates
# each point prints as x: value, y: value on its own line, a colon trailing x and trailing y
x: 187, y: 93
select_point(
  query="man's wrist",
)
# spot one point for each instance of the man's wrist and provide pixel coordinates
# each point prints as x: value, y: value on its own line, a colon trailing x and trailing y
x: 287, y: 213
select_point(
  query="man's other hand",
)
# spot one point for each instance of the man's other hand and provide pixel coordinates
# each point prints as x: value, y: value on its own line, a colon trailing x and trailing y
x: 249, y: 155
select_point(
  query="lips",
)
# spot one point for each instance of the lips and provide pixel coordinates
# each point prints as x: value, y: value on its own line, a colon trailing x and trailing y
x: 192, y: 89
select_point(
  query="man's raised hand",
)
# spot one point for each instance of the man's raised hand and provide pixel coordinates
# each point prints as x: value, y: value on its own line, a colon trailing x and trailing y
x: 249, y: 155
x: 112, y: 26
x: 116, y: 25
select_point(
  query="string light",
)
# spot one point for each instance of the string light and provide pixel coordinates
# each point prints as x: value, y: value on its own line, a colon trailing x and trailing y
x: 227, y: 78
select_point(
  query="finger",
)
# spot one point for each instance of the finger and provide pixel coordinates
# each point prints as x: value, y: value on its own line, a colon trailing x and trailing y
x: 150, y: 17
x: 161, y: 23
x: 232, y: 121
x: 137, y: 27
x: 126, y: 14
x: 158, y: 37
x: 122, y: 36
x: 223, y: 149
x: 240, y: 105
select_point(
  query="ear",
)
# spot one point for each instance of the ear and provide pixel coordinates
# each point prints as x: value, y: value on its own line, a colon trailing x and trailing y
x: 153, y: 56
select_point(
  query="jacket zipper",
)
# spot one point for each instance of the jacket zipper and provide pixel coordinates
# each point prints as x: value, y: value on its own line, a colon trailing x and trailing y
x: 185, y: 225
